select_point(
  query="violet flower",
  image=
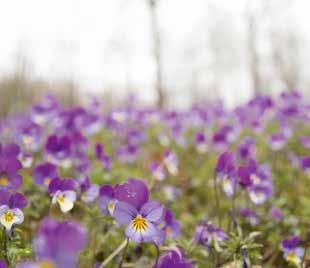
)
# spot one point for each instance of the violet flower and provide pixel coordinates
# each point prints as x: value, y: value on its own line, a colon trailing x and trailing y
x: 107, y: 199
x: 9, y: 167
x: 174, y: 258
x: 250, y: 216
x: 44, y: 173
x: 277, y: 141
x: 171, y: 162
x: 172, y: 226
x: 89, y: 191
x: 134, y: 209
x: 57, y: 244
x: 292, y: 252
x: 201, y: 143
x: 208, y: 235
x: 226, y: 173
x: 158, y: 171
x: 63, y: 193
x: 10, y: 208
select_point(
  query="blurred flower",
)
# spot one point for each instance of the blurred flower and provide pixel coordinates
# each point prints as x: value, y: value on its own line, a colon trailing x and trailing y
x: 246, y: 148
x: 276, y: 213
x: 26, y: 159
x: 3, y: 264
x: 201, y: 143
x: 44, y: 173
x: 208, y: 235
x: 172, y: 226
x: 250, y: 215
x: 89, y: 192
x: 277, y: 141
x: 305, y: 141
x: 174, y: 258
x: 58, y: 150
x: 305, y: 163
x: 10, y: 208
x: 9, y: 167
x: 107, y: 199
x: 291, y: 250
x: 171, y: 162
x: 226, y: 172
x: 158, y: 171
x: 63, y: 193
x: 57, y: 244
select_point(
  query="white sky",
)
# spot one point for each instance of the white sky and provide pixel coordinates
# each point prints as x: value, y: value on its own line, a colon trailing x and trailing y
x: 77, y: 39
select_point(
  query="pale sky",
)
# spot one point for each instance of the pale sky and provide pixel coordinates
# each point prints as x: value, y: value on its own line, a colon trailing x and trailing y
x: 101, y: 42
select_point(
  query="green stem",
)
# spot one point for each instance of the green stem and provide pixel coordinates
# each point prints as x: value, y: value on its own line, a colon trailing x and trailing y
x: 157, y: 255
x: 5, y: 246
x: 304, y: 258
x: 217, y: 201
x: 124, y: 254
x: 114, y: 253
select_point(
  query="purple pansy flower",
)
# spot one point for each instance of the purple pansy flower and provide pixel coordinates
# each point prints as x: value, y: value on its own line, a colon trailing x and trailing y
x: 57, y: 244
x: 26, y: 159
x: 89, y: 191
x: 305, y: 163
x: 276, y: 213
x: 201, y: 143
x: 293, y: 253
x: 174, y: 258
x: 63, y: 193
x: 44, y: 173
x: 141, y: 215
x: 107, y: 199
x: 226, y: 173
x: 142, y: 224
x: 305, y: 141
x: 208, y: 235
x: 172, y: 226
x: 58, y: 150
x: 102, y: 156
x: 171, y: 162
x: 246, y: 148
x: 277, y: 141
x: 158, y: 171
x: 3, y: 264
x: 9, y: 167
x: 10, y: 208
x: 250, y: 215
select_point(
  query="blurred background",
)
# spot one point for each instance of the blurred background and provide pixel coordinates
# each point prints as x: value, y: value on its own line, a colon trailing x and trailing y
x: 167, y: 52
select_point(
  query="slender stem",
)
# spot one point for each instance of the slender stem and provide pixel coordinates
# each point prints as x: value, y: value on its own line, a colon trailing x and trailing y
x: 114, y: 254
x: 304, y: 257
x: 5, y: 245
x: 157, y: 255
x: 217, y: 201
x: 124, y: 254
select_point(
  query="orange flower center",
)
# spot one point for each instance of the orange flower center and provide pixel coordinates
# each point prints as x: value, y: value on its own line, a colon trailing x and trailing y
x: 4, y: 181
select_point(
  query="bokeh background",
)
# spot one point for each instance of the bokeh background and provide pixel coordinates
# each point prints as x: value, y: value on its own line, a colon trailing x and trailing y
x: 167, y: 52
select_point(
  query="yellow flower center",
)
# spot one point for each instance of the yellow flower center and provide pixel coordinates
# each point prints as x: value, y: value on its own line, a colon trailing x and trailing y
x: 4, y: 181
x: 47, y: 181
x: 46, y: 264
x: 8, y: 216
x: 139, y: 223
x: 61, y: 198
x: 291, y: 257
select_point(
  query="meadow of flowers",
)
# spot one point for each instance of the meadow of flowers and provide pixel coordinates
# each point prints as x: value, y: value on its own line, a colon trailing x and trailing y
x: 136, y: 186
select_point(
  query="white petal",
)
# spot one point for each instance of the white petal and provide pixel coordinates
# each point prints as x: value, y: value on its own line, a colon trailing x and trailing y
x: 18, y: 216
x: 67, y: 204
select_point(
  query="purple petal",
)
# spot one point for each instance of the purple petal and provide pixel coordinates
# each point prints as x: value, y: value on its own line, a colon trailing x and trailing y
x: 18, y: 200
x: 4, y: 197
x: 124, y: 212
x: 153, y: 211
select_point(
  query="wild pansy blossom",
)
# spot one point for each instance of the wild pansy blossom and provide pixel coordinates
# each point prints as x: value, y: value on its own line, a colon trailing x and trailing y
x: 305, y: 164
x: 158, y: 171
x: 292, y: 251
x: 57, y: 244
x: 276, y: 213
x: 207, y: 234
x: 9, y: 167
x: 89, y: 192
x: 305, y: 141
x: 44, y: 173
x: 58, y: 150
x: 62, y: 191
x: 226, y: 172
x: 10, y: 208
x: 172, y: 226
x: 174, y: 258
x: 171, y: 162
x: 134, y: 209
x: 201, y: 142
x: 102, y: 156
x: 107, y: 199
x: 257, y: 180
x: 249, y: 215
x: 127, y: 153
x: 29, y: 135
x: 246, y: 148
x: 44, y: 111
x: 277, y: 141
x: 26, y: 159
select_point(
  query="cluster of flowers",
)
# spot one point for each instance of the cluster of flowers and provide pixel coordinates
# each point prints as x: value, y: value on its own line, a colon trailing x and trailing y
x: 50, y: 138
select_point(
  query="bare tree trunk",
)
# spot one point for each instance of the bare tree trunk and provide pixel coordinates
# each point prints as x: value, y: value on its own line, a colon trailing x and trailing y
x: 253, y: 55
x: 161, y: 97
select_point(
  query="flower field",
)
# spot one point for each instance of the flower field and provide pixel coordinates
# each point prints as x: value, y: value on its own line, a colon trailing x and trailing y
x: 136, y: 186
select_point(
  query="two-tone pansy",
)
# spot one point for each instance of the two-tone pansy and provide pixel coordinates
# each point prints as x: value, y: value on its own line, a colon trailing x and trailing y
x: 292, y: 251
x: 10, y: 209
x: 63, y: 193
x: 89, y: 191
x: 44, y: 173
